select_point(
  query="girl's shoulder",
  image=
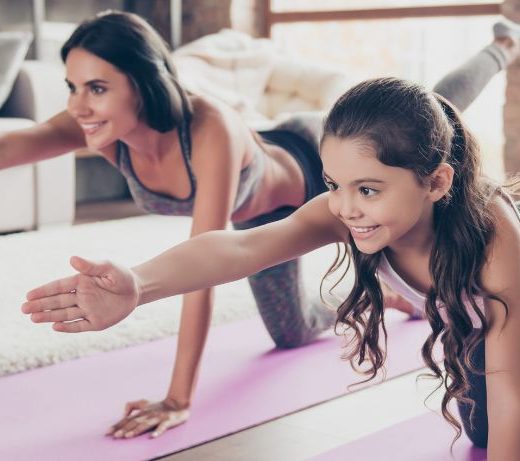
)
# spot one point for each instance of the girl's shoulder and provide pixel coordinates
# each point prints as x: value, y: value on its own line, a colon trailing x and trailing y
x: 316, y: 217
x: 502, y: 268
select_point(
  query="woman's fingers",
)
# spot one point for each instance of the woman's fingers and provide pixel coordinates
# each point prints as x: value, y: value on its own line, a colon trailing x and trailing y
x: 136, y: 425
x: 135, y: 405
x: 140, y: 428
x: 151, y: 417
x: 175, y: 419
x: 130, y: 407
x: 161, y: 428
x: 53, y: 302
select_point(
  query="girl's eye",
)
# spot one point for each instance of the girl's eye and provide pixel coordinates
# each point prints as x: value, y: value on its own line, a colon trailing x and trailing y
x: 332, y: 186
x: 72, y: 90
x: 367, y: 191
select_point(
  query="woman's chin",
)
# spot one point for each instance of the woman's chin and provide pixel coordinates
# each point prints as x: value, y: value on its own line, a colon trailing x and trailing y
x: 98, y: 144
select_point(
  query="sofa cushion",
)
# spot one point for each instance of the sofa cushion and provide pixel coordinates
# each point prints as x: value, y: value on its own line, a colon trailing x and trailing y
x: 17, y: 193
x: 229, y: 65
x: 13, y: 48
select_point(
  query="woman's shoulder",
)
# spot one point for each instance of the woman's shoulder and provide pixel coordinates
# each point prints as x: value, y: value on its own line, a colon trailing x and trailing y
x: 218, y: 127
x: 209, y: 112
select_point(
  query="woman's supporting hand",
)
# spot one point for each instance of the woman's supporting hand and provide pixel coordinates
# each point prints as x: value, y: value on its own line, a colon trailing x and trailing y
x: 142, y: 416
x: 99, y: 296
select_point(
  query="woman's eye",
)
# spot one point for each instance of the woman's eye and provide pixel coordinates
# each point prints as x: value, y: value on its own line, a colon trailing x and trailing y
x: 367, y: 191
x: 72, y: 90
x: 97, y: 90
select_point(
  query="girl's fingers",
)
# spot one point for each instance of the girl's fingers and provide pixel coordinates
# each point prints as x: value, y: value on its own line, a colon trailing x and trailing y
x: 61, y: 315
x: 53, y: 302
x: 72, y: 327
x: 57, y: 287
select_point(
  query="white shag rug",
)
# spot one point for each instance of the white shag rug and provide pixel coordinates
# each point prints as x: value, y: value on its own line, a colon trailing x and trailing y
x: 32, y: 258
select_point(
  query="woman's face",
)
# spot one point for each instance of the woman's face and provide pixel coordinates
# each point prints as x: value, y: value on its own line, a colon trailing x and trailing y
x: 102, y: 99
x: 380, y: 205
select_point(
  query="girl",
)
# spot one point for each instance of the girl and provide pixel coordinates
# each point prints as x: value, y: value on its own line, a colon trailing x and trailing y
x: 183, y: 154
x: 407, y: 199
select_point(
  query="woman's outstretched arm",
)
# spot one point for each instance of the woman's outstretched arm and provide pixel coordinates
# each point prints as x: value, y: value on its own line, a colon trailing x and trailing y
x: 58, y: 135
x: 102, y: 294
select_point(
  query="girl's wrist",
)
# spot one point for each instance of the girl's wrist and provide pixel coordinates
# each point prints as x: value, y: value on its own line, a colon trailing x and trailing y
x: 144, y: 291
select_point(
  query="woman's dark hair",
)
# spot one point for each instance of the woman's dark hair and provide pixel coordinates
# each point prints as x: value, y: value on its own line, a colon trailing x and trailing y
x: 411, y: 128
x: 129, y: 43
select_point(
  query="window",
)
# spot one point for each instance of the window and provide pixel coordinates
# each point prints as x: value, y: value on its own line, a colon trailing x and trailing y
x: 420, y: 49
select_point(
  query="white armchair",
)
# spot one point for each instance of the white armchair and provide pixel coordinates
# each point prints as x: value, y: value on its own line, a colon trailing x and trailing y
x: 32, y: 196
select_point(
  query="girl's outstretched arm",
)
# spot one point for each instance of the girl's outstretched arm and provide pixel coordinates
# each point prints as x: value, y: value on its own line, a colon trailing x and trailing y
x: 501, y: 275
x: 102, y: 294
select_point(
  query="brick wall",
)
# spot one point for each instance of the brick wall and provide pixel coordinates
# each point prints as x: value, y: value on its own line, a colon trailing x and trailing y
x: 249, y: 16
x: 511, y: 9
x: 202, y: 17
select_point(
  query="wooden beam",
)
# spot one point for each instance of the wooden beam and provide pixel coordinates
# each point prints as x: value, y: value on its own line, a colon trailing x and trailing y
x: 267, y: 19
x: 382, y: 13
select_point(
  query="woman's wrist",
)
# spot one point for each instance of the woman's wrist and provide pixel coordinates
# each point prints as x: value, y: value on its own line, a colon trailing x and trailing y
x: 175, y: 403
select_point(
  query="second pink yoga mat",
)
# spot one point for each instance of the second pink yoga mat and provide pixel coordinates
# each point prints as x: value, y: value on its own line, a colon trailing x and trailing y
x: 61, y: 412
x: 425, y: 438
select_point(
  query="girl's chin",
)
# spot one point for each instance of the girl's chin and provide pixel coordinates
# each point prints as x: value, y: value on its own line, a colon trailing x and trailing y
x: 367, y: 248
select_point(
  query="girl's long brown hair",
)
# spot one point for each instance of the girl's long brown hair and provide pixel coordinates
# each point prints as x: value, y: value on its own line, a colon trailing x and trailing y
x: 417, y: 130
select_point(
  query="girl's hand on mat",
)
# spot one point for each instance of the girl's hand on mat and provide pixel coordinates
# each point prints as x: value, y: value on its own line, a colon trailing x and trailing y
x: 142, y: 416
x: 101, y: 295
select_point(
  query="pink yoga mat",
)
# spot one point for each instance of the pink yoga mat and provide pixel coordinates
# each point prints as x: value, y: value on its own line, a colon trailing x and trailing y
x: 61, y: 412
x: 425, y: 438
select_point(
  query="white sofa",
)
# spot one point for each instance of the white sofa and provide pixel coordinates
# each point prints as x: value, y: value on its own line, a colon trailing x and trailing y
x: 256, y: 77
x: 32, y: 196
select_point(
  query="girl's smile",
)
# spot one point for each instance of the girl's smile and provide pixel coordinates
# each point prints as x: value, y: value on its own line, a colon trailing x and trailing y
x: 363, y: 233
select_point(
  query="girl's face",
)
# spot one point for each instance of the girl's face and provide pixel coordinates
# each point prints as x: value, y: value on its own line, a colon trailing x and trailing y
x: 381, y: 205
x: 102, y: 99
